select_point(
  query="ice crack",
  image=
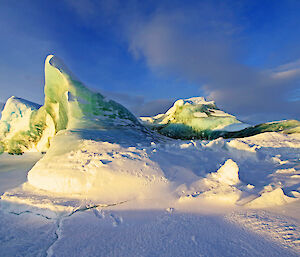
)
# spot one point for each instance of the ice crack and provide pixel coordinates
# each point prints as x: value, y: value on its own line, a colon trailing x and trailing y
x: 59, y: 223
x: 24, y: 212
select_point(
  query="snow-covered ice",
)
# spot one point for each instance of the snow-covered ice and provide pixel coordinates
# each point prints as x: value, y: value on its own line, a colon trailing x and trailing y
x: 108, y: 186
x: 193, y: 118
x: 196, y: 118
x: 16, y: 116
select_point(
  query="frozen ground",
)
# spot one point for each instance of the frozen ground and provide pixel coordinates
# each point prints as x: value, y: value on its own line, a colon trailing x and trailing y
x: 108, y: 186
x: 210, y: 217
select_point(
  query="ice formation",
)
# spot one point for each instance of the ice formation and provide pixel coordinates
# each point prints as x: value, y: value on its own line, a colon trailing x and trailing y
x: 270, y: 199
x: 68, y: 105
x: 72, y: 105
x: 104, y: 174
x: 228, y: 174
x: 284, y: 126
x: 220, y: 186
x: 193, y: 118
x: 15, y: 121
x: 197, y: 118
x: 94, y: 149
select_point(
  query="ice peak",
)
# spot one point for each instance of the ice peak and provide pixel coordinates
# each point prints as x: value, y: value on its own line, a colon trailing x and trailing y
x: 56, y: 62
x: 193, y: 117
x: 18, y: 100
x: 194, y: 101
x: 48, y: 58
x: 72, y: 105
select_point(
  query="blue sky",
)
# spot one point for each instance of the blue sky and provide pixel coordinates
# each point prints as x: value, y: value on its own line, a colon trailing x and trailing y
x: 245, y: 55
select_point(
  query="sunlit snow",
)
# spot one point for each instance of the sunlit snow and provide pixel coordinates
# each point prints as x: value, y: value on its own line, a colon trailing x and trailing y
x: 94, y: 181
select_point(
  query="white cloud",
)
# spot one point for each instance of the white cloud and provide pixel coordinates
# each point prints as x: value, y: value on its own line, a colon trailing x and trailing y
x: 202, y: 45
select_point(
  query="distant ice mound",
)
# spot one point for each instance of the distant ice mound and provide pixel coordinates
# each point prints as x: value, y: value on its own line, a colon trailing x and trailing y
x: 193, y: 118
x: 16, y: 122
x: 196, y: 118
x: 68, y: 105
x: 283, y: 126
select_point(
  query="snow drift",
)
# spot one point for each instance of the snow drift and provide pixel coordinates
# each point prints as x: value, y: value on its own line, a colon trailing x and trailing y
x: 97, y: 170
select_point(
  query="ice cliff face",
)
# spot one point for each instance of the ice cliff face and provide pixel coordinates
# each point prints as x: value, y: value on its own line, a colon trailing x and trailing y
x: 193, y: 118
x: 69, y: 104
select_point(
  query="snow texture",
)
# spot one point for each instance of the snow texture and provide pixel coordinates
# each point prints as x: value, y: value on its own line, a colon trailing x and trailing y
x: 107, y: 186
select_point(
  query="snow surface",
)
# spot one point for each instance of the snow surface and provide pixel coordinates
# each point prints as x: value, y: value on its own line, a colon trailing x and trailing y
x: 109, y: 187
x: 104, y: 170
x: 211, y: 210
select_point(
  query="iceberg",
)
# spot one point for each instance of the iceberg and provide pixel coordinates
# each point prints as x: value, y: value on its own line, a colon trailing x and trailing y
x: 197, y: 118
x: 94, y: 145
x: 284, y: 126
x: 193, y: 118
x: 72, y: 105
x: 15, y: 122
x: 68, y: 105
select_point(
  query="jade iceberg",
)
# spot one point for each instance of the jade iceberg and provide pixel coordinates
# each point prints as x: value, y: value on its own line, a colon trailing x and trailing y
x: 69, y: 105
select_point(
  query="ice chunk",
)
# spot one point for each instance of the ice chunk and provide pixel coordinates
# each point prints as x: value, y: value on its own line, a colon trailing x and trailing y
x: 219, y: 186
x: 269, y: 199
x: 73, y: 118
x: 284, y: 126
x: 15, y: 119
x: 228, y: 173
x: 16, y: 116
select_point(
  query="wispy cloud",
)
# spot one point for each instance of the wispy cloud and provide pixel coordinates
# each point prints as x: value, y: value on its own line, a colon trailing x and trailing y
x: 202, y: 45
